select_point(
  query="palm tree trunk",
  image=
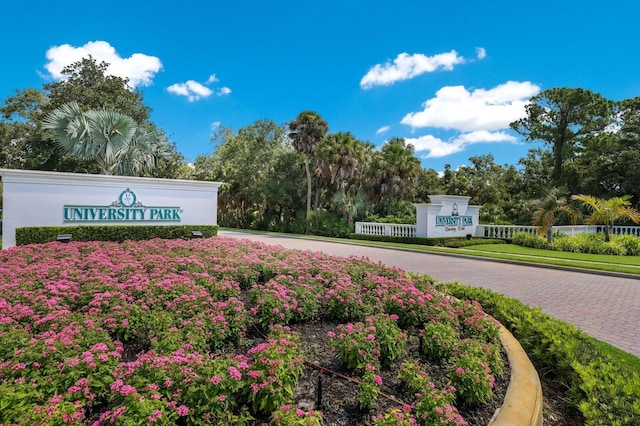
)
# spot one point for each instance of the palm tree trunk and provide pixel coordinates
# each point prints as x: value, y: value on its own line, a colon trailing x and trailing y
x: 306, y: 166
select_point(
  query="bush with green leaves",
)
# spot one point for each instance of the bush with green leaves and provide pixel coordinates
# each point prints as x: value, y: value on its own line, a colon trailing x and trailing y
x: 274, y: 369
x: 328, y: 224
x: 432, y: 405
x: 472, y: 378
x: 603, y: 382
x: 119, y: 233
x: 620, y: 245
x: 369, y: 388
x: 629, y: 242
x: 395, y: 417
x: 291, y: 416
x: 439, y: 340
x: 526, y: 239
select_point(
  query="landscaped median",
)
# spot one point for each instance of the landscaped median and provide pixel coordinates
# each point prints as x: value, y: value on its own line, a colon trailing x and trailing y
x: 211, y: 331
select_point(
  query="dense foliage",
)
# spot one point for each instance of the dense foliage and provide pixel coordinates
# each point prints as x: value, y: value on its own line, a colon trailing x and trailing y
x: 603, y: 381
x: 300, y: 177
x: 26, y: 144
x: 617, y: 245
x: 119, y: 233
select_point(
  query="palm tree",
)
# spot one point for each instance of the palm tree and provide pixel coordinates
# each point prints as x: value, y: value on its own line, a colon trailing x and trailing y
x: 340, y: 159
x: 112, y: 139
x: 548, y: 210
x: 606, y: 212
x: 394, y: 173
x: 349, y: 204
x: 147, y: 145
x: 305, y: 132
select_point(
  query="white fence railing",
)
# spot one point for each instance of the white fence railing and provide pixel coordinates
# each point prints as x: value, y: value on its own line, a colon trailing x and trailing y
x: 490, y: 231
x: 388, y: 229
x: 623, y: 230
x: 508, y: 231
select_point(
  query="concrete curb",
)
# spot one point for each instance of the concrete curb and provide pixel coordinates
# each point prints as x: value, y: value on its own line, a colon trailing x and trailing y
x: 522, y: 405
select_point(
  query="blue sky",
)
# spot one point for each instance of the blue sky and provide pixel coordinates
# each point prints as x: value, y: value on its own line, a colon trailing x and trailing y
x: 446, y: 76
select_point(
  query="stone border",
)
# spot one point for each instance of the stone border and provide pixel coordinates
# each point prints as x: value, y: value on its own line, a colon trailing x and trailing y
x: 522, y: 405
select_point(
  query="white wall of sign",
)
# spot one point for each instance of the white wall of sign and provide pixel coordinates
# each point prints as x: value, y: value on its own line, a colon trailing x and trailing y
x: 37, y: 198
x: 446, y: 216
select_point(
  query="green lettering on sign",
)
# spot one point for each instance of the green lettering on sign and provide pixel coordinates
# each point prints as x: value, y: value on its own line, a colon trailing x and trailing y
x: 126, y: 208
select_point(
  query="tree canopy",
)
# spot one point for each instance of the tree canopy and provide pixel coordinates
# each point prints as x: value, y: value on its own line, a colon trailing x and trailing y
x: 565, y: 119
x: 111, y: 139
x: 607, y: 211
x: 26, y: 144
x: 590, y: 145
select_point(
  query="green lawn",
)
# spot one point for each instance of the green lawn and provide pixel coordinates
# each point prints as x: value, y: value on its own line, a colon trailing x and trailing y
x: 624, y: 264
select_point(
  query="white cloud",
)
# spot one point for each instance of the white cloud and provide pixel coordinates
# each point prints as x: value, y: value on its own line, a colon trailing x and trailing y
x: 138, y: 68
x: 192, y: 90
x: 481, y: 53
x: 437, y: 148
x: 407, y: 66
x: 215, y: 125
x: 383, y: 129
x: 195, y: 91
x: 454, y: 107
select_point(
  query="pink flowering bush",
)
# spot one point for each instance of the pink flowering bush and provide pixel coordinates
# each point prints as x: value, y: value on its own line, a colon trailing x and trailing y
x: 274, y: 369
x: 395, y: 417
x: 472, y: 377
x: 369, y: 388
x: 287, y: 415
x: 376, y: 341
x: 439, y: 340
x: 171, y: 331
x: 345, y: 300
x: 284, y: 299
x: 432, y: 406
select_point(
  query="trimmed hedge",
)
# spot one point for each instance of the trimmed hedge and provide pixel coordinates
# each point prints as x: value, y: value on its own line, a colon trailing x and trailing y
x: 460, y: 243
x: 405, y: 240
x: 603, y: 382
x: 119, y: 233
x: 453, y: 242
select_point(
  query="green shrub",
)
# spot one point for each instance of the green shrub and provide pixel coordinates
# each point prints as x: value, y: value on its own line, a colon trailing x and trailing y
x: 453, y: 242
x: 603, y: 382
x: 460, y: 242
x: 526, y: 239
x: 119, y: 233
x: 471, y: 377
x: 392, y: 239
x: 328, y: 224
x: 630, y: 243
x: 407, y: 219
x: 439, y: 340
x: 620, y: 245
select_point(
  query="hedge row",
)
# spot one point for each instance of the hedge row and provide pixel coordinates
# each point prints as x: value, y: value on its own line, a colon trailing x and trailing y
x: 454, y: 242
x: 119, y: 233
x: 603, y: 382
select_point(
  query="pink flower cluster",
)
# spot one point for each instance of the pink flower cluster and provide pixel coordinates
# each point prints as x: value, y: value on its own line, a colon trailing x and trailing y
x: 102, y: 326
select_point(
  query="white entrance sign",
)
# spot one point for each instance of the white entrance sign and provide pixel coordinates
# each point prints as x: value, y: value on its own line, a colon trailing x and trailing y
x: 36, y: 198
x: 446, y: 216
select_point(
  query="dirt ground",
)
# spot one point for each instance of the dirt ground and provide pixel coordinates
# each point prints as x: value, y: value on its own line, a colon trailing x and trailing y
x: 325, y: 385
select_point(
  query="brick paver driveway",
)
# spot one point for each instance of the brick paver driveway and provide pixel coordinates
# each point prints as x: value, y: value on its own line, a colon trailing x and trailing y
x: 605, y: 307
